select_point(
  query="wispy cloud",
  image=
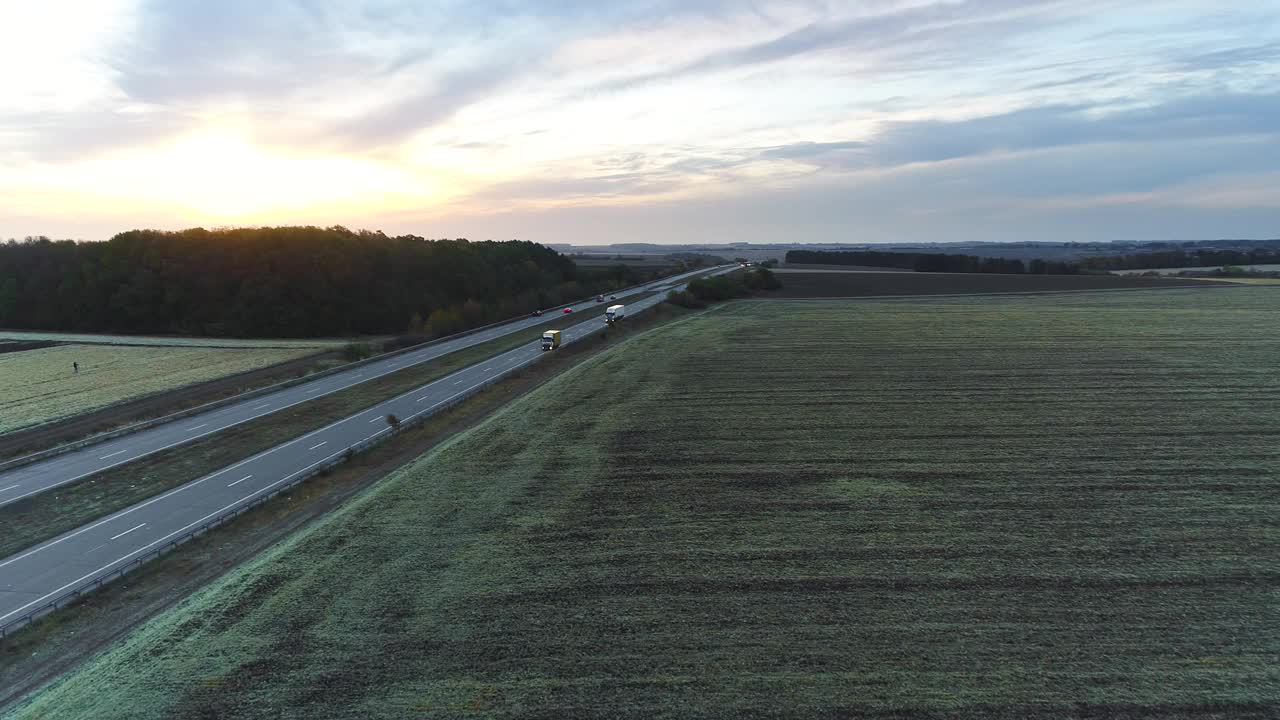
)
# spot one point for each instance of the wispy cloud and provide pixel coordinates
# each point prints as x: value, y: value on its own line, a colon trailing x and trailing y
x: 811, y: 113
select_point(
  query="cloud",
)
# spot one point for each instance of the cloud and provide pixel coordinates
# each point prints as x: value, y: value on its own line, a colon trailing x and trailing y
x: 810, y: 149
x: 925, y: 33
x: 1193, y: 118
x: 808, y: 113
x: 188, y: 51
x: 55, y: 137
x: 1233, y: 57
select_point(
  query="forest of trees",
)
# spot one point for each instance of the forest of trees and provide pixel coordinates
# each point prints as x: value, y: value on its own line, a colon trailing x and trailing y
x: 931, y: 262
x: 284, y: 282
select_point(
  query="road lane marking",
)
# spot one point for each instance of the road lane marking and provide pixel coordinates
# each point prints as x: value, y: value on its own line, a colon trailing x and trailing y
x: 314, y: 390
x: 460, y: 381
x: 313, y: 447
x: 261, y: 406
x: 246, y: 477
x: 197, y: 427
x: 8, y: 488
x: 376, y: 419
x: 126, y: 532
x: 104, y: 457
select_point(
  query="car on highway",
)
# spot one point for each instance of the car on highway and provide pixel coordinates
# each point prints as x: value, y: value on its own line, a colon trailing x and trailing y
x: 568, y: 310
x: 536, y: 313
x: 613, y: 297
x: 599, y: 298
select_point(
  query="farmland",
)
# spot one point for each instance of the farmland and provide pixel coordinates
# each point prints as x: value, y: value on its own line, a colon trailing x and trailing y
x: 1174, y: 271
x: 995, y: 507
x: 39, y: 385
x: 168, y: 341
x: 821, y: 283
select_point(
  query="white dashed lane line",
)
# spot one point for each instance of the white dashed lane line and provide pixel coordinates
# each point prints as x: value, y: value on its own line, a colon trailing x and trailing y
x: 104, y: 457
x: 313, y: 447
x: 126, y: 532
x: 246, y: 477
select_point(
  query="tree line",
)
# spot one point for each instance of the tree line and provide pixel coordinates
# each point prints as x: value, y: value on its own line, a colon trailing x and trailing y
x: 931, y: 262
x: 1201, y: 257
x: 699, y: 292
x: 284, y: 282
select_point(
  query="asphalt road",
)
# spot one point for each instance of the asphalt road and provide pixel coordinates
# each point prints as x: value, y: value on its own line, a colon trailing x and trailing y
x: 69, y: 467
x: 33, y: 578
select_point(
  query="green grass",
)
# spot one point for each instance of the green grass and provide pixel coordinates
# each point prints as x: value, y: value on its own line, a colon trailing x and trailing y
x: 40, y: 385
x: 49, y: 514
x: 993, y: 507
x: 175, y: 341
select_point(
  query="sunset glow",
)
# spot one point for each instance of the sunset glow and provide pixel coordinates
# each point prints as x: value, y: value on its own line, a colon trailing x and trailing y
x: 647, y: 121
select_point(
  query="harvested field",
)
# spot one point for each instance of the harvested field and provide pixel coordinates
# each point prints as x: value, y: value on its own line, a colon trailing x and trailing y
x: 1265, y: 267
x: 1010, y: 507
x: 166, y: 341
x: 794, y: 267
x: 39, y: 385
x: 820, y: 283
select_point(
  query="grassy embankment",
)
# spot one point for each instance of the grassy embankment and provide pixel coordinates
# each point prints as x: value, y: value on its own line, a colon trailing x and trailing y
x: 1012, y: 507
x: 40, y: 385
x: 49, y: 514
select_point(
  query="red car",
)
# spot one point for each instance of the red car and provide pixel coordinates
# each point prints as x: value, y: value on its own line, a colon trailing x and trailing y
x: 568, y: 310
x: 599, y: 298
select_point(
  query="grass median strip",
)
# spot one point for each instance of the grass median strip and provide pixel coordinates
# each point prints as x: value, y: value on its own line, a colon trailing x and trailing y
x: 52, y: 513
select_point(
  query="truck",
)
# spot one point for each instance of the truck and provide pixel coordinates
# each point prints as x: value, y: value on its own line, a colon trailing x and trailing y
x: 614, y: 313
x: 551, y: 340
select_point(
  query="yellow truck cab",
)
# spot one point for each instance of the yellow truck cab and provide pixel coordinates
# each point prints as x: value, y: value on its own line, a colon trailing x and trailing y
x: 551, y: 340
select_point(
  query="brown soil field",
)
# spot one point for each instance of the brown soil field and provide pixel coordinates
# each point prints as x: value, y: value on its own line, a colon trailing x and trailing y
x: 792, y: 267
x: 820, y: 284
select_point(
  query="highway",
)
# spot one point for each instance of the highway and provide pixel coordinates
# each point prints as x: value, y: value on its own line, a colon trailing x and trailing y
x: 31, y: 579
x: 43, y: 475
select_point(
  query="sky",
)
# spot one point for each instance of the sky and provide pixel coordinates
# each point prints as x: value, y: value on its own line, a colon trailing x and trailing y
x: 666, y: 121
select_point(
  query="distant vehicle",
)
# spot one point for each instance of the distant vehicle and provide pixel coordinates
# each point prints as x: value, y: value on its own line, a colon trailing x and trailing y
x: 536, y: 313
x: 599, y: 298
x: 614, y: 313
x: 551, y: 340
x: 613, y: 297
x: 568, y: 310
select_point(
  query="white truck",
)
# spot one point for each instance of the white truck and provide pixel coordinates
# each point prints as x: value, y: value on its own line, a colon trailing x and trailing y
x: 614, y: 313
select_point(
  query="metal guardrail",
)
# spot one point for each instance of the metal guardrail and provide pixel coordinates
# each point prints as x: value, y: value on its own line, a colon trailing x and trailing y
x: 170, y: 543
x: 17, y: 462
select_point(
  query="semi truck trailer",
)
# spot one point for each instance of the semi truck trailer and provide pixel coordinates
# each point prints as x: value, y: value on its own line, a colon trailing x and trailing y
x: 614, y: 313
x: 551, y: 340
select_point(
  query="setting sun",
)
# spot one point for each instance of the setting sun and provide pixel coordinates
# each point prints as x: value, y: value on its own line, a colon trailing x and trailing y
x: 220, y: 174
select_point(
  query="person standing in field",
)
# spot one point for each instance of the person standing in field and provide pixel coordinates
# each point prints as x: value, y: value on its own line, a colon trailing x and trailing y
x: 75, y: 367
